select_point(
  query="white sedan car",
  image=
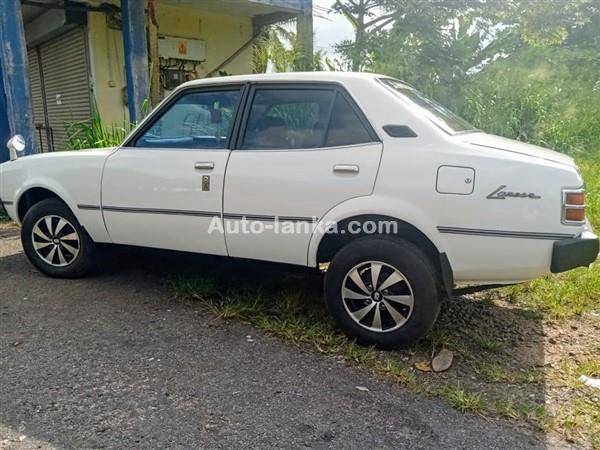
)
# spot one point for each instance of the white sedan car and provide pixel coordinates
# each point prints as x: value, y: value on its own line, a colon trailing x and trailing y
x: 396, y: 198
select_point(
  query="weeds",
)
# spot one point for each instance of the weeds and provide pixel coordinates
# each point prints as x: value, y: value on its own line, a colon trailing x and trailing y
x: 94, y: 133
x: 462, y: 400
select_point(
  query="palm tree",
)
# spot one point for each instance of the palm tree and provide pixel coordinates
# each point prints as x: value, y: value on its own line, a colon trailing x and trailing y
x: 278, y: 49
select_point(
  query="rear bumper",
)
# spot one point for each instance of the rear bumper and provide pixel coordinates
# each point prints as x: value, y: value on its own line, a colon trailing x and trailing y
x: 578, y: 252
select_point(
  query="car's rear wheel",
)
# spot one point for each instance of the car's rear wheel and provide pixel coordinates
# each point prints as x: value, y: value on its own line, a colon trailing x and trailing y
x: 55, y: 242
x: 383, y: 291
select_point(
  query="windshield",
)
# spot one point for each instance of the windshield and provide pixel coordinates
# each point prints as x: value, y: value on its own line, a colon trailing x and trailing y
x: 438, y: 114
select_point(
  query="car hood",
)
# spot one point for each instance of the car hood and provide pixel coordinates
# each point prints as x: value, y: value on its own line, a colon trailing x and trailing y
x: 499, y: 143
x: 85, y: 153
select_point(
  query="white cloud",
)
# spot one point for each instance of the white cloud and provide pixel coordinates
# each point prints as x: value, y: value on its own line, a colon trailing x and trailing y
x: 329, y: 29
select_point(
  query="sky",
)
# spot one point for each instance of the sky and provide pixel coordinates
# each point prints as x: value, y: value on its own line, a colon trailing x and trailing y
x: 330, y: 29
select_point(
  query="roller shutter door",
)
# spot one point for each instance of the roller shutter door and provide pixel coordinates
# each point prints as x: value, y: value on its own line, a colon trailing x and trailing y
x: 66, y: 83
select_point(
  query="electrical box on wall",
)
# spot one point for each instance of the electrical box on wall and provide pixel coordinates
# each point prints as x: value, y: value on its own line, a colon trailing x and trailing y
x: 181, y: 48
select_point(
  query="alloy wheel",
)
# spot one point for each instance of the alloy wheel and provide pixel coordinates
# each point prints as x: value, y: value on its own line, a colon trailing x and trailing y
x: 55, y: 240
x: 377, y: 296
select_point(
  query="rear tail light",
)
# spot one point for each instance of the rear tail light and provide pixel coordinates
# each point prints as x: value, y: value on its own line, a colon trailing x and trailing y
x: 573, y: 206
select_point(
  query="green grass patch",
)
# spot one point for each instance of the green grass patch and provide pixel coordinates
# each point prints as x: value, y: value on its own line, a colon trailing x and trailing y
x: 498, y: 373
x: 560, y: 296
x: 463, y: 400
x: 581, y: 414
x: 488, y: 344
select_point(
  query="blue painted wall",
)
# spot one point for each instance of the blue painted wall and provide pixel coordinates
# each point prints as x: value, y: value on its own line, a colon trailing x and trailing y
x: 15, y: 76
x: 4, y: 127
x: 136, y: 56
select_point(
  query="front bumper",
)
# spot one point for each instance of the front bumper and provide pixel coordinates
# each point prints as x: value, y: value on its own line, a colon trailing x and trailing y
x: 578, y: 252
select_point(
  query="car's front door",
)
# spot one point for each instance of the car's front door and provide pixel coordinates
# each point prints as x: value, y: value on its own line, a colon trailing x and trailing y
x: 164, y: 188
x: 303, y: 150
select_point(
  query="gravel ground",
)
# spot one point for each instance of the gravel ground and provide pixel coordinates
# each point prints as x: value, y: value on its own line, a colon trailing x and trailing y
x: 114, y: 361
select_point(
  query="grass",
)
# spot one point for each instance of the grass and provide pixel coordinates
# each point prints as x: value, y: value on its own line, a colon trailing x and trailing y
x: 487, y: 344
x: 580, y: 417
x: 561, y: 296
x: 95, y: 133
x: 462, y: 400
x: 498, y: 373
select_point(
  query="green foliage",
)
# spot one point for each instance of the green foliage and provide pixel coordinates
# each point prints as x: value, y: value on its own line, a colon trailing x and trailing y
x: 546, y: 96
x: 94, y: 133
x: 523, y: 69
x: 279, y: 46
x: 276, y: 46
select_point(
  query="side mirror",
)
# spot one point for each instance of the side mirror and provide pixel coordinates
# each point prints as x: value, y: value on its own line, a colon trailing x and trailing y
x: 16, y: 145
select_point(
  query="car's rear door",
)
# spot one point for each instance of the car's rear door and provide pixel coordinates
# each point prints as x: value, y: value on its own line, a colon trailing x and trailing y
x: 302, y: 149
x: 164, y: 188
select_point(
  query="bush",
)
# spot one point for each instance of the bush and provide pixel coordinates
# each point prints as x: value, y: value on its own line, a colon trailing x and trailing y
x: 546, y: 96
x: 94, y: 133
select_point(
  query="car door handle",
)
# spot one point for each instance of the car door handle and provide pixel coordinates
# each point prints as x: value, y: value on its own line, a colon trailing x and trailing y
x: 204, y: 165
x: 347, y: 168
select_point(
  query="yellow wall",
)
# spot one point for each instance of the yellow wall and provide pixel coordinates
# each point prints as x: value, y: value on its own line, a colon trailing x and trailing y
x: 223, y: 36
x: 107, y: 68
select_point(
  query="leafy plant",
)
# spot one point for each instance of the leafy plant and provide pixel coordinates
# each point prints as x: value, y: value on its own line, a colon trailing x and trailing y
x: 94, y: 133
x: 278, y: 49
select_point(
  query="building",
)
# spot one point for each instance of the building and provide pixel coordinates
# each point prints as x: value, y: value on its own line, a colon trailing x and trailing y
x: 61, y: 60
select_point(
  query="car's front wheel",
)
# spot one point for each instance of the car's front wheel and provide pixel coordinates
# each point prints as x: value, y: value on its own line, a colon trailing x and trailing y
x: 55, y: 242
x: 383, y: 291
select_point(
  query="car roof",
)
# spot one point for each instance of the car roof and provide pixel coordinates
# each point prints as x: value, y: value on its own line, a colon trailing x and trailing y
x: 285, y: 77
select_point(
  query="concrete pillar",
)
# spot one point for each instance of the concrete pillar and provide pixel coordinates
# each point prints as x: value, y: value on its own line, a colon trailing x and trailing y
x: 136, y: 56
x: 4, y: 126
x: 15, y: 104
x: 304, y: 30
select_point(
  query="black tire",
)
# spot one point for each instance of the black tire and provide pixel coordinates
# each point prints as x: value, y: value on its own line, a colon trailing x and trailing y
x: 416, y: 268
x: 73, y: 266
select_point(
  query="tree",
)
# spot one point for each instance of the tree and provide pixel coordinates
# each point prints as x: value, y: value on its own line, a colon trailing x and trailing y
x: 367, y: 17
x: 275, y: 46
x: 441, y: 42
x: 278, y: 47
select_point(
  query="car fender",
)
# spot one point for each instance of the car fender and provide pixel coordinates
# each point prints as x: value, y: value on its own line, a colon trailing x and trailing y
x: 91, y: 220
x: 373, y: 205
x: 50, y: 185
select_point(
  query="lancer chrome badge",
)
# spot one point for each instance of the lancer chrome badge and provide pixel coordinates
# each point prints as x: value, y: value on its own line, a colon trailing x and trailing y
x: 501, y: 194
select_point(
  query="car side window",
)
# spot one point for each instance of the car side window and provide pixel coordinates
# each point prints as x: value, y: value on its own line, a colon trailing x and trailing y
x: 194, y: 120
x: 288, y: 118
x: 345, y: 127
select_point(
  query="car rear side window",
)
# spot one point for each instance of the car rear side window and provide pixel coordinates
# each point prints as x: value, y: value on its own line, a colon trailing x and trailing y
x: 288, y: 118
x: 303, y: 117
x: 194, y: 120
x: 345, y: 127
